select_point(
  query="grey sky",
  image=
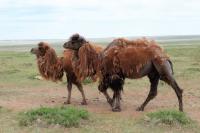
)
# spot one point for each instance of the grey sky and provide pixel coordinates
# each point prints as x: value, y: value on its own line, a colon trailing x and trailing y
x: 54, y: 19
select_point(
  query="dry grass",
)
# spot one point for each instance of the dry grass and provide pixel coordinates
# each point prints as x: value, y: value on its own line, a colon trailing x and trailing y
x: 21, y: 92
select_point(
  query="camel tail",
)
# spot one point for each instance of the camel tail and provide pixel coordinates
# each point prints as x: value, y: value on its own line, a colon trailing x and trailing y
x: 171, y: 64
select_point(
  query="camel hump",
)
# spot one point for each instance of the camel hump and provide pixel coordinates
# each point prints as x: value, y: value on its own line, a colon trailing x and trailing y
x: 165, y: 69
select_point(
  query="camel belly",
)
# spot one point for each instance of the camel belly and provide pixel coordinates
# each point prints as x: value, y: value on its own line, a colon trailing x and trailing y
x: 134, y: 73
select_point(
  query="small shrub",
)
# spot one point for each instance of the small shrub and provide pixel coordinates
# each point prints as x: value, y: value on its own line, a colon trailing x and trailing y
x: 65, y: 116
x: 168, y: 117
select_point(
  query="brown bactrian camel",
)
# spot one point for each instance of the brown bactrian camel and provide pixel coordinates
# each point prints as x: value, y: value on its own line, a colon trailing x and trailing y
x: 52, y: 67
x: 124, y: 59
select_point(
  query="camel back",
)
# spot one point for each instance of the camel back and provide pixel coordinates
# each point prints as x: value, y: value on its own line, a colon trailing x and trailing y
x: 128, y: 57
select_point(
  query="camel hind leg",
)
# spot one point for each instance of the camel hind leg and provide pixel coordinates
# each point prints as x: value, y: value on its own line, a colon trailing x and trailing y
x: 166, y: 74
x: 154, y: 79
x: 103, y: 86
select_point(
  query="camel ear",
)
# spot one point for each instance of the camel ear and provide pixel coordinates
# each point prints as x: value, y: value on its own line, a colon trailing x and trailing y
x: 81, y: 40
x: 41, y: 47
x: 40, y: 44
x: 46, y: 47
x: 75, y: 37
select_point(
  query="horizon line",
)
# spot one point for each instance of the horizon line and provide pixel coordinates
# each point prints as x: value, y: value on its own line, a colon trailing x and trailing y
x: 32, y: 39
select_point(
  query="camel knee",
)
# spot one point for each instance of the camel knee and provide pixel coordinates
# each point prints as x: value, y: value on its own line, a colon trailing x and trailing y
x: 152, y: 95
x: 69, y: 87
x: 116, y: 102
x: 103, y: 87
x: 181, y: 91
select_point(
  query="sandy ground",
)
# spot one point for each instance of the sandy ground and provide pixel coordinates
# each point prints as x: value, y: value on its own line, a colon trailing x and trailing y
x: 27, y: 98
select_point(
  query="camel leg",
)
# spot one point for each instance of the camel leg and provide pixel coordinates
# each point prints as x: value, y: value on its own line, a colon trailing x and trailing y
x: 154, y: 79
x: 116, y: 101
x: 103, y: 89
x: 80, y: 88
x: 166, y: 74
x: 172, y: 82
x: 69, y: 89
x: 116, y: 83
x: 109, y: 100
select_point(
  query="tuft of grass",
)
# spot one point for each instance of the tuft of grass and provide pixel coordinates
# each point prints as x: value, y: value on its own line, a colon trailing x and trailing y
x: 193, y: 69
x: 168, y: 117
x: 87, y: 81
x: 4, y: 110
x: 64, y: 116
x: 1, y: 108
x: 32, y: 76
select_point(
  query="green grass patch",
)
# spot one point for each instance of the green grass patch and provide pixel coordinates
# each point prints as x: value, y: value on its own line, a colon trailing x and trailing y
x: 168, y: 117
x: 1, y: 109
x: 193, y: 69
x: 64, y: 116
x: 87, y: 81
x: 4, y: 110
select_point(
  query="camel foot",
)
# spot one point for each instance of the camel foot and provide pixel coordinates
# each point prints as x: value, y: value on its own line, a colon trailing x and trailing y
x: 83, y: 103
x: 67, y: 102
x: 116, y: 109
x: 140, y: 109
x: 110, y: 101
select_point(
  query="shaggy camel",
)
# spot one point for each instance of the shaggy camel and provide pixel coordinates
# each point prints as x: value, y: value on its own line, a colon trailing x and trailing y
x: 124, y: 59
x: 52, y: 67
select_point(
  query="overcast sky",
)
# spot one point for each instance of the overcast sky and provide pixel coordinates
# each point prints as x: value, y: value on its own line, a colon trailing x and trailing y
x: 56, y: 19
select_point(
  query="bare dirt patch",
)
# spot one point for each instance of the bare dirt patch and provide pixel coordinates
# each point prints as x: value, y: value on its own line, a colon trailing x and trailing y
x: 131, y: 99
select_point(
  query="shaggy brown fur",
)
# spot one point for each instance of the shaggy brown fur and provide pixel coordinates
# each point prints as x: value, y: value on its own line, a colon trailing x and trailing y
x: 49, y: 65
x: 125, y: 59
x: 129, y: 57
x: 87, y: 62
x: 52, y: 67
x: 120, y: 50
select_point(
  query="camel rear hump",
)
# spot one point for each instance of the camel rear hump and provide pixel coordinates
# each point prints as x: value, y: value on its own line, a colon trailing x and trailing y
x: 164, y: 69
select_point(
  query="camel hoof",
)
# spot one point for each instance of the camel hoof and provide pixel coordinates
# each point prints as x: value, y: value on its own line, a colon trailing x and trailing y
x: 116, y: 109
x: 84, y: 103
x: 140, y: 109
x: 67, y: 102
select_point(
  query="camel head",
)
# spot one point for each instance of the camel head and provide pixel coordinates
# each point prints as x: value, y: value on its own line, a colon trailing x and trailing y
x: 40, y: 50
x: 75, y: 42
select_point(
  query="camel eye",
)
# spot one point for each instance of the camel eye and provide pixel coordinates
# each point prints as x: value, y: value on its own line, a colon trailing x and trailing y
x: 40, y: 48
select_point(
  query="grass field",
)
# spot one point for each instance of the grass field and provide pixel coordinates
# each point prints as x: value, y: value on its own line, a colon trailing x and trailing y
x: 20, y: 91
